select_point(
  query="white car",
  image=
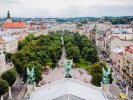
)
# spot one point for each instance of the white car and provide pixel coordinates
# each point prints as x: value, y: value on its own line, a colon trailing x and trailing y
x: 22, y: 82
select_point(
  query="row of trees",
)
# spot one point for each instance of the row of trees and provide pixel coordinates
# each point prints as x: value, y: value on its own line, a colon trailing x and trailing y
x: 7, y: 79
x: 46, y: 50
x: 78, y: 46
x: 37, y: 52
x: 119, y: 20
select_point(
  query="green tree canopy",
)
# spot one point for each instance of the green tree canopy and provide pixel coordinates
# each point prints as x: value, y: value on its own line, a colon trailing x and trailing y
x: 30, y: 37
x: 3, y: 86
x: 38, y: 73
x: 97, y: 73
x: 9, y: 76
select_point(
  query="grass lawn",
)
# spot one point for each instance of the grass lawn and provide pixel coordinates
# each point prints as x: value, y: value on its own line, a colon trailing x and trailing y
x: 83, y: 64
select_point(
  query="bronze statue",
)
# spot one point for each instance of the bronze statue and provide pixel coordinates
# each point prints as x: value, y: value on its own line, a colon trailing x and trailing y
x: 106, y: 79
x: 30, y: 76
x: 68, y: 66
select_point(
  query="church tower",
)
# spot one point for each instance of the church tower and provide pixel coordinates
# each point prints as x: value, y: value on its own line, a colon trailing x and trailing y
x: 8, y: 17
x: 2, y: 60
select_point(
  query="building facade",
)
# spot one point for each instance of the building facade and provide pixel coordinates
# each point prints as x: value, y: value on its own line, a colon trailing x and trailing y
x: 2, y: 61
x: 10, y: 44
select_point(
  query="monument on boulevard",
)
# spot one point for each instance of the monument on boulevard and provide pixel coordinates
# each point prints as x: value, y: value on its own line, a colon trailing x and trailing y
x: 30, y: 76
x: 30, y: 82
x: 68, y: 66
x: 106, y: 80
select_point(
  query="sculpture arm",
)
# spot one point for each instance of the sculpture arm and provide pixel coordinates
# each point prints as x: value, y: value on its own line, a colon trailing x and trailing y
x: 109, y: 70
x: 28, y: 71
x: 104, y: 72
x: 71, y: 62
x: 65, y: 63
x: 32, y: 71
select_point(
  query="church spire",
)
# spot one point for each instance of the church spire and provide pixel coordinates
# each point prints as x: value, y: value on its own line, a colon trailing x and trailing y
x: 8, y: 15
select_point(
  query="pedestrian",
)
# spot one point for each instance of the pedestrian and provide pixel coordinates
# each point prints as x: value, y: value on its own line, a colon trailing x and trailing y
x: 49, y: 82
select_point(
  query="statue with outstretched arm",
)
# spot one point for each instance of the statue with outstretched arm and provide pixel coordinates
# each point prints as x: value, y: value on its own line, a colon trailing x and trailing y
x: 30, y: 76
x: 68, y: 66
x: 105, y: 78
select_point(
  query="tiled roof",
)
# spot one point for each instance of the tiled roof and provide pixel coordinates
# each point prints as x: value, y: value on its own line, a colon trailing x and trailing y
x: 129, y: 49
x: 13, y: 25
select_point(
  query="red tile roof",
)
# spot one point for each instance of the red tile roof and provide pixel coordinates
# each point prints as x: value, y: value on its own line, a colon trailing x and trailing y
x: 129, y: 49
x: 13, y: 25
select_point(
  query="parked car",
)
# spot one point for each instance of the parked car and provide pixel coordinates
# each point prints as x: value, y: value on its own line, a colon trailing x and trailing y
x: 108, y: 60
x: 122, y: 85
x: 123, y: 89
x: 118, y: 82
x: 122, y: 95
x: 22, y: 82
x: 131, y: 97
x: 19, y: 88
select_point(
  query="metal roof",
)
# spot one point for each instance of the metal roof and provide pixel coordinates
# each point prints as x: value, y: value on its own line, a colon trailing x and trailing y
x: 68, y: 89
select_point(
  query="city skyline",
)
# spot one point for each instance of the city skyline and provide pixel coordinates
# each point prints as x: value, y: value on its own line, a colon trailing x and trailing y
x: 66, y: 8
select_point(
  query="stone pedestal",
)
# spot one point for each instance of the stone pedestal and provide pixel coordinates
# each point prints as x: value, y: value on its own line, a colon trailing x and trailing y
x: 69, y: 76
x: 105, y: 88
x: 10, y: 94
x: 29, y: 88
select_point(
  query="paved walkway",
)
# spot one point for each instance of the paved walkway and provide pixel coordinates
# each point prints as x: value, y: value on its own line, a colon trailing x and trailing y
x: 59, y: 73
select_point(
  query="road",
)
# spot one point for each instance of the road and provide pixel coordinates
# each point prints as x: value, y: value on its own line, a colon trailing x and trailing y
x: 61, y: 62
x: 59, y: 72
x: 114, y: 88
x: 15, y: 93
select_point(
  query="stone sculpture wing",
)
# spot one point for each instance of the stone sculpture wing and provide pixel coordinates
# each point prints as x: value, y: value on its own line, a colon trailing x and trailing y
x: 109, y: 70
x: 65, y: 62
x: 71, y: 63
x: 28, y: 71
x: 32, y: 71
x: 104, y: 72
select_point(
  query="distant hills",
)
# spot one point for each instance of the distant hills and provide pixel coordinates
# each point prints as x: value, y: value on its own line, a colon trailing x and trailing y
x: 113, y: 20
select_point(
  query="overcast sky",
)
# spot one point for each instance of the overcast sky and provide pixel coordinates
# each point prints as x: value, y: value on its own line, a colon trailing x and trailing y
x: 66, y: 8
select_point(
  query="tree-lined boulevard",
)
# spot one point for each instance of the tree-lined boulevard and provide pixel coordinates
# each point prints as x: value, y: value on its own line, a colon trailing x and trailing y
x: 46, y: 54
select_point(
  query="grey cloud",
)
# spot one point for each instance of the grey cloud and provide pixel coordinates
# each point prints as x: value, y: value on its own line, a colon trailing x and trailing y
x: 71, y: 11
x: 96, y: 11
x: 31, y: 12
x: 112, y: 10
